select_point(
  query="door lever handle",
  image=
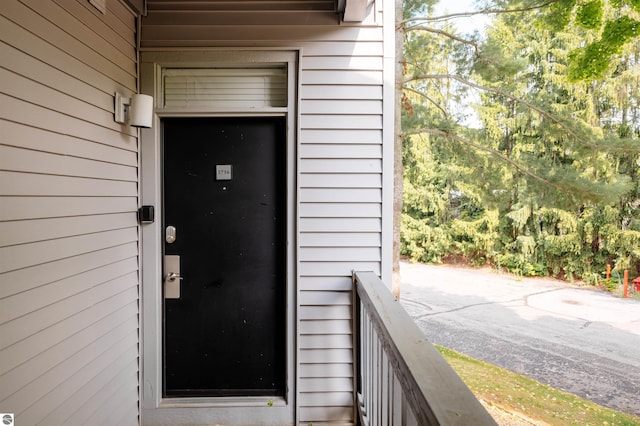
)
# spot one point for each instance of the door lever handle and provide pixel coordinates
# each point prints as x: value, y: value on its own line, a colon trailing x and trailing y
x: 171, y: 276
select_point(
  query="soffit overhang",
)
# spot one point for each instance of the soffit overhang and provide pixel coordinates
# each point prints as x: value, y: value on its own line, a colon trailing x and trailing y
x: 258, y: 12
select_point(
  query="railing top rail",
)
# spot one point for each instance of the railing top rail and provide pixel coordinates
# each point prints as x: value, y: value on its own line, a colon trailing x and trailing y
x: 435, y: 392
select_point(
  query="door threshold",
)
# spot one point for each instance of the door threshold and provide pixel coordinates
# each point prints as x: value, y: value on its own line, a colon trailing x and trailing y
x: 227, y: 401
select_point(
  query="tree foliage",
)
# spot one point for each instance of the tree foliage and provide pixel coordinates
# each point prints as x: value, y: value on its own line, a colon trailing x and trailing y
x: 521, y: 145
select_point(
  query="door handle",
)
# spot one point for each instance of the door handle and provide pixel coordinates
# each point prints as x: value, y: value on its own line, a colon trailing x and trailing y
x: 172, y: 276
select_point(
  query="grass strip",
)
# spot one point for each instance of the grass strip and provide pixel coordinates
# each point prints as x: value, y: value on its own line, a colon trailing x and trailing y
x: 515, y: 393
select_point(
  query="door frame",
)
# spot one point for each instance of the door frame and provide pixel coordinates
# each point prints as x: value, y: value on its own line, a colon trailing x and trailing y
x: 205, y: 410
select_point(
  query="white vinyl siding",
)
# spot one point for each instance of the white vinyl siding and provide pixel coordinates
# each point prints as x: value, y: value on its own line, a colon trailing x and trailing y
x: 340, y: 179
x: 340, y: 172
x: 68, y: 227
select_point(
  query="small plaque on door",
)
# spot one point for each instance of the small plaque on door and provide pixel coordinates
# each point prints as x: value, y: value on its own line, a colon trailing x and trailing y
x: 224, y: 171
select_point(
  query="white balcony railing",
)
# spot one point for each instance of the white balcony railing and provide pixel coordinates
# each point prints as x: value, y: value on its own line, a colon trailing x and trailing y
x: 402, y: 378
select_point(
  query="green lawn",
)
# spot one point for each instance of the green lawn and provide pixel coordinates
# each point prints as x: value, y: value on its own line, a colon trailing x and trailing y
x: 514, y: 393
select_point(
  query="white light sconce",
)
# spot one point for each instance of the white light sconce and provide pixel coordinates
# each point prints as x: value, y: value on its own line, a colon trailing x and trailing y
x: 135, y: 111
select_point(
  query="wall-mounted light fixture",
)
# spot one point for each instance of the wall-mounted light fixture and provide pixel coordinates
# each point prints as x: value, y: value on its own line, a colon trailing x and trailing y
x: 135, y: 111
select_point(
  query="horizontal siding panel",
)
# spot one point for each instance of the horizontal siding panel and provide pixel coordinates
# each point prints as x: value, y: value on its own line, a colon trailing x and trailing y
x: 43, y: 50
x: 325, y: 341
x: 326, y: 356
x: 340, y: 151
x: 47, y: 75
x: 339, y: 210
x: 326, y: 327
x: 24, y: 160
x: 344, y: 121
x: 22, y: 256
x: 337, y: 268
x: 337, y: 384
x: 342, y: 77
x: 107, y: 26
x: 87, y: 35
x: 32, y: 115
x: 123, y: 13
x: 372, y: 239
x: 328, y: 254
x: 48, y: 185
x: 31, y: 370
x: 337, y: 195
x: 340, y: 225
x: 324, y: 298
x: 321, y: 399
x: 15, y: 208
x: 324, y: 312
x: 52, y: 303
x: 326, y: 284
x: 118, y: 20
x: 89, y: 397
x: 336, y: 92
x: 365, y: 63
x: 116, y: 404
x: 25, y: 279
x: 21, y: 232
x: 326, y: 370
x: 344, y: 48
x: 343, y: 107
x: 339, y: 180
x: 15, y: 134
x: 340, y: 136
x: 341, y: 166
x: 120, y: 403
x: 108, y: 291
x: 36, y: 354
x: 74, y: 47
x: 330, y: 415
x: 30, y: 91
x: 53, y: 387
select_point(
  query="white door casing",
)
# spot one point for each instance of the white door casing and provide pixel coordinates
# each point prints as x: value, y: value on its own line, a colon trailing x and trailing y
x: 155, y: 67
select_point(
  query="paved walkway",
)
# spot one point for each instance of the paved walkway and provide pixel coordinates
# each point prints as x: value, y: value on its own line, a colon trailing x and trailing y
x: 581, y: 340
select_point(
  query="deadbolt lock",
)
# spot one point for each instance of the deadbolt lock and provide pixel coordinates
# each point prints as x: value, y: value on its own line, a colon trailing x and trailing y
x: 170, y: 234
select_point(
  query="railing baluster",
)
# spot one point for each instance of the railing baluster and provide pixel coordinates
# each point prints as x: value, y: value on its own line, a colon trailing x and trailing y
x: 403, y: 379
x: 385, y: 390
x: 397, y: 402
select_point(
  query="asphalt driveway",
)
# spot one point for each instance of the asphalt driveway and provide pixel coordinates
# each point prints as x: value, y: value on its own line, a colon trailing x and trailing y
x: 581, y: 340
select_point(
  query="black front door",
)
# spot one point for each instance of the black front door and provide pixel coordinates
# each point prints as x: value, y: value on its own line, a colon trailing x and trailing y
x: 225, y: 196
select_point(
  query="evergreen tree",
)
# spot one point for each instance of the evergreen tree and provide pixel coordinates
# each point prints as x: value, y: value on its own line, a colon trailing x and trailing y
x: 544, y: 179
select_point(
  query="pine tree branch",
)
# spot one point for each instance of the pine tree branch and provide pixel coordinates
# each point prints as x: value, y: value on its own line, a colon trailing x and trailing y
x: 401, y: 24
x: 428, y: 98
x: 447, y: 34
x: 507, y: 95
x: 479, y: 147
